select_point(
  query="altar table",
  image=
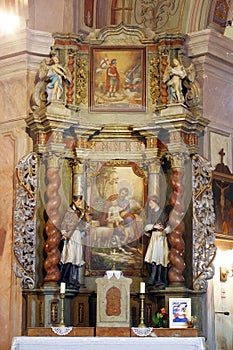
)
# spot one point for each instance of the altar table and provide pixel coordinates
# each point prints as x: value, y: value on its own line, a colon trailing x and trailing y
x: 102, y: 343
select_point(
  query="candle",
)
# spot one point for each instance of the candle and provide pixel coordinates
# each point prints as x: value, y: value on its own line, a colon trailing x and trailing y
x: 142, y: 287
x: 62, y: 288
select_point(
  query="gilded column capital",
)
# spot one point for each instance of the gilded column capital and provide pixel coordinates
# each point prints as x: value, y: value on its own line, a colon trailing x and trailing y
x: 178, y: 160
x: 53, y: 159
x: 154, y: 168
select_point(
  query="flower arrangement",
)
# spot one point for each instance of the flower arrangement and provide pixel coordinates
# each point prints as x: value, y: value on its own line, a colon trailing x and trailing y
x: 160, y: 319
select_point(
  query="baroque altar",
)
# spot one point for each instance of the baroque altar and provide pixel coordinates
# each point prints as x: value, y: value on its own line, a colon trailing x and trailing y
x: 134, y: 136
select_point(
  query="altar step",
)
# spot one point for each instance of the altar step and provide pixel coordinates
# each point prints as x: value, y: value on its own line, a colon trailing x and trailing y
x: 112, y: 332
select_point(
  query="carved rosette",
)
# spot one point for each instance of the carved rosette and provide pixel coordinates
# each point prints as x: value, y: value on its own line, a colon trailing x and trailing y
x: 53, y: 221
x: 25, y: 220
x: 204, y: 249
x: 176, y: 253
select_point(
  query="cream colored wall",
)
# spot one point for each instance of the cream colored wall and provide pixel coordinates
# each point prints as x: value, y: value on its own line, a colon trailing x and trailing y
x: 223, y: 300
x: 20, y: 56
x: 213, y: 59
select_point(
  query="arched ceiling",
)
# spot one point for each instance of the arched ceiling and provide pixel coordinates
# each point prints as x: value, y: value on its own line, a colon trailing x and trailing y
x: 171, y: 16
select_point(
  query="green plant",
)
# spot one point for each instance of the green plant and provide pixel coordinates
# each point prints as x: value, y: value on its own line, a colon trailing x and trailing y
x: 160, y: 319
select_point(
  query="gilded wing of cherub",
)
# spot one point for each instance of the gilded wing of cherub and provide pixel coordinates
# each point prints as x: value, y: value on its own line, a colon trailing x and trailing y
x: 39, y: 95
x: 190, y: 73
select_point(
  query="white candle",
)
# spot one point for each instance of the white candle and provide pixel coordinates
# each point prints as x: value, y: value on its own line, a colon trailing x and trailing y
x: 62, y: 288
x: 142, y: 287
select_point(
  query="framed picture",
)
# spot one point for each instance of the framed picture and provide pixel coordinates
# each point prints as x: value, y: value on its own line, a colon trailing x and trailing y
x: 117, y: 204
x: 117, y: 82
x: 223, y: 204
x: 179, y: 312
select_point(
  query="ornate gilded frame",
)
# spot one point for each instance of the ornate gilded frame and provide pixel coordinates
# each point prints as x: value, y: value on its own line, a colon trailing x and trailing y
x: 104, y: 252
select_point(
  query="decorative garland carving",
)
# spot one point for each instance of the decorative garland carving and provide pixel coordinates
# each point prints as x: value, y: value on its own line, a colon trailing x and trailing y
x: 25, y: 220
x: 70, y: 87
x: 204, y: 249
x: 81, y: 82
x: 154, y: 80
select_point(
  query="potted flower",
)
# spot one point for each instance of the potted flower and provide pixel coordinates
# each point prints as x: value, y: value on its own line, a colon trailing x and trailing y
x: 160, y: 319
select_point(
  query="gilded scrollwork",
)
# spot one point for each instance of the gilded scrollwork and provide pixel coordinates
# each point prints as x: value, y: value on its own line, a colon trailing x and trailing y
x: 204, y: 249
x: 81, y: 80
x: 154, y: 80
x: 25, y: 220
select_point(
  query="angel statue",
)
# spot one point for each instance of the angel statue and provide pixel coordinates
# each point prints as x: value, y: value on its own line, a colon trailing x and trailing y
x: 173, y: 77
x: 56, y: 74
x: 49, y: 82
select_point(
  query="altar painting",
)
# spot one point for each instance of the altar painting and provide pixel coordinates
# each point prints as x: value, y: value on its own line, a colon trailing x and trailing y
x: 117, y: 79
x: 116, y: 235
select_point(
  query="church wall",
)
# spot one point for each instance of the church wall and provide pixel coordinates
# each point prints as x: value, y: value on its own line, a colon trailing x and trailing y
x: 19, y: 59
x: 211, y: 54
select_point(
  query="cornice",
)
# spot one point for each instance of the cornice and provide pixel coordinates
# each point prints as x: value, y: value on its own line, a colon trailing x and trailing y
x: 208, y: 42
x: 23, y: 51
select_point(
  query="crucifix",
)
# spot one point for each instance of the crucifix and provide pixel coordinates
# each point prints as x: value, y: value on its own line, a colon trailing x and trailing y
x: 222, y: 154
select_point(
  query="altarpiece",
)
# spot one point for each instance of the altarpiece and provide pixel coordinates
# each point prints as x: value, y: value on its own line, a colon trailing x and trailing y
x: 126, y: 115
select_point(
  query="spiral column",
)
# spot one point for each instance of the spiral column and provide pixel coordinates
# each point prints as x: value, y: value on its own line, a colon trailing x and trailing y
x: 177, y: 250
x: 53, y: 221
x: 70, y: 87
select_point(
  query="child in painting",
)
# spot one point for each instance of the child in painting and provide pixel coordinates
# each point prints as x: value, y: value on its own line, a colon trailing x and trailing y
x: 114, y: 214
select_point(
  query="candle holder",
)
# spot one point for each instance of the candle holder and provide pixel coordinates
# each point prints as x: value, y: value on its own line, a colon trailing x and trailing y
x: 142, y: 324
x: 62, y: 323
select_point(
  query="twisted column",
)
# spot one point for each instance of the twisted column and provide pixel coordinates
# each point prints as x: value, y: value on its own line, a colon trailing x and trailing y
x: 176, y: 254
x: 164, y: 93
x: 53, y: 221
x: 70, y: 87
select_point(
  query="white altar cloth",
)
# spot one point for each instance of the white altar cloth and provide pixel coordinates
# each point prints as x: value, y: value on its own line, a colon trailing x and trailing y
x: 101, y: 343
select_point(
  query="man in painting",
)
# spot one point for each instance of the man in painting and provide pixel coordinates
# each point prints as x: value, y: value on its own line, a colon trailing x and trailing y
x: 156, y: 257
x: 112, y: 79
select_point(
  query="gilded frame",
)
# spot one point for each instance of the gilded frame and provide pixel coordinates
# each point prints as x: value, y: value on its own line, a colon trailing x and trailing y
x: 110, y: 246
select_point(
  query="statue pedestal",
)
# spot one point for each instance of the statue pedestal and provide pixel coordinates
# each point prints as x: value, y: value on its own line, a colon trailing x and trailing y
x: 113, y: 300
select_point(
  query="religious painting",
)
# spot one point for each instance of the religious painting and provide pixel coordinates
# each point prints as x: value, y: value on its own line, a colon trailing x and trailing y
x: 223, y: 202
x: 179, y: 312
x: 117, y: 80
x: 117, y: 204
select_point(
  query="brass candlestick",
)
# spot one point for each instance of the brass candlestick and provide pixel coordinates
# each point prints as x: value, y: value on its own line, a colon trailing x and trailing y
x: 62, y: 323
x: 142, y: 324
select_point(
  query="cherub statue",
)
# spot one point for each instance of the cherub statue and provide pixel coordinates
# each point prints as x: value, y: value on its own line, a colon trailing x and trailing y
x: 173, y: 77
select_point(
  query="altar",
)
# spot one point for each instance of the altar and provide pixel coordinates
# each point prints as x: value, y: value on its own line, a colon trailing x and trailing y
x: 99, y: 343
